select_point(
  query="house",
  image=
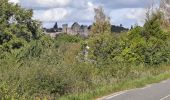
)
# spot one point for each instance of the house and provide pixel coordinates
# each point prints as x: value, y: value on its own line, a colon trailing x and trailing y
x: 84, y: 31
x: 65, y: 27
x: 76, y: 29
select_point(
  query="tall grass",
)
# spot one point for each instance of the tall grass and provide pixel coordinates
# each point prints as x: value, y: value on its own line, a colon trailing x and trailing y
x: 37, y: 78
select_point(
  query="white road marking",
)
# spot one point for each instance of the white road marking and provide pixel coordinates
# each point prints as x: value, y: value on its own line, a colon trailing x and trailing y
x: 148, y: 86
x: 164, y: 81
x: 165, y: 97
x: 120, y: 93
x: 126, y: 91
x: 115, y: 95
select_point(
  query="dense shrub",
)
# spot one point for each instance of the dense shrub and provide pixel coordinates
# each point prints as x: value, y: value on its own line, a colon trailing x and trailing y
x: 64, y: 38
x: 141, y: 45
x: 103, y: 48
x: 148, y: 44
x: 34, y: 66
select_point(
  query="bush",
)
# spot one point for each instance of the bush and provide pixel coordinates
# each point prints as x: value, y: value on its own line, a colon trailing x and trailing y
x: 64, y: 38
x: 141, y: 45
x: 148, y: 44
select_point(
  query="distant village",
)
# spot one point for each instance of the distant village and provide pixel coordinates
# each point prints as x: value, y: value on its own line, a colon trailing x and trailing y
x: 77, y: 29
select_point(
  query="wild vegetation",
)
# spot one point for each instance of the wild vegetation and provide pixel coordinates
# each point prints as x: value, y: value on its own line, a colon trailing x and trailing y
x: 35, y: 66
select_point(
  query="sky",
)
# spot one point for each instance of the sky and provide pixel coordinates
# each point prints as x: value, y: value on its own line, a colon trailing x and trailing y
x: 126, y: 12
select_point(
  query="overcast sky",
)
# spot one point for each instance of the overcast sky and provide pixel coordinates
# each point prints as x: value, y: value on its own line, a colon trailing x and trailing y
x: 126, y: 12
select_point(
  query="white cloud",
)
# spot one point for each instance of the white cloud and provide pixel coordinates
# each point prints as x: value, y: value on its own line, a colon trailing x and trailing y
x: 14, y: 1
x: 66, y: 14
x: 44, y: 3
x: 51, y: 15
x: 68, y: 11
x: 133, y: 15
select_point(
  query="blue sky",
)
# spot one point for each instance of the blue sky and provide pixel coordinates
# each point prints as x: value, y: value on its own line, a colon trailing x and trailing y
x: 126, y: 12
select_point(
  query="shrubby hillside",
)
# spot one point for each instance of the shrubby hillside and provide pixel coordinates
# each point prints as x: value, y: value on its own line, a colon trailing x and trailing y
x: 35, y: 66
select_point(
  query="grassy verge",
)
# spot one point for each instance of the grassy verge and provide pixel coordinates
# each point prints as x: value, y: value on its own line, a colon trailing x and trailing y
x: 124, y: 85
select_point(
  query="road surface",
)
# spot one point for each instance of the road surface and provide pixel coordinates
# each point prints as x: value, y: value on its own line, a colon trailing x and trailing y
x: 158, y: 91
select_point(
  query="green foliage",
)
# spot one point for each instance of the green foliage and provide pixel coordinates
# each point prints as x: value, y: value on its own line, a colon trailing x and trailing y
x: 17, y: 26
x: 64, y: 38
x: 133, y: 43
x: 35, y: 66
x: 149, y: 44
x: 103, y: 48
x: 141, y: 45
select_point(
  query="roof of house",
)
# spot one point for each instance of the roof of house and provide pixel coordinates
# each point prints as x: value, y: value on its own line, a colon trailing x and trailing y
x: 75, y: 24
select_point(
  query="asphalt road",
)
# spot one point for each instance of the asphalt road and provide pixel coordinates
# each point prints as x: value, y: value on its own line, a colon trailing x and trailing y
x: 158, y: 91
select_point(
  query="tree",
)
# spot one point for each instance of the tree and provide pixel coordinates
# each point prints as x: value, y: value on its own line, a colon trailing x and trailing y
x: 101, y: 41
x: 156, y: 39
x: 101, y: 23
x: 17, y: 25
x: 165, y: 7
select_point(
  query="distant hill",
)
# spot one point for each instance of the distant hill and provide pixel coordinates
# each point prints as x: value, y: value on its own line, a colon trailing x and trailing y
x: 118, y: 29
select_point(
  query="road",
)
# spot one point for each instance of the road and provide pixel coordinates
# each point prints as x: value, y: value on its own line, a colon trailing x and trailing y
x: 158, y: 91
